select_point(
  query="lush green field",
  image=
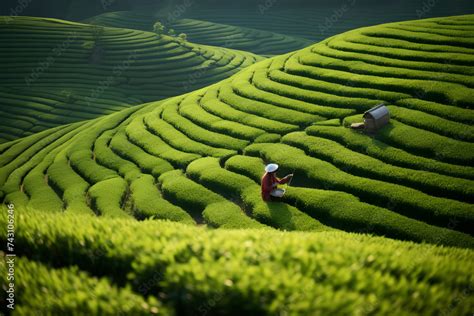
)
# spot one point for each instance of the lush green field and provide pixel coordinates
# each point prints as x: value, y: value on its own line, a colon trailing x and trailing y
x: 55, y: 72
x: 203, y: 32
x: 197, y: 159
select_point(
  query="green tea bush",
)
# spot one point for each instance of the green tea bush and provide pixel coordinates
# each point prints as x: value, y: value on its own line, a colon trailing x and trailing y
x: 195, y: 113
x: 288, y: 79
x: 152, y: 144
x: 108, y: 158
x: 259, y: 88
x: 279, y: 215
x: 434, y: 210
x: 148, y: 202
x: 72, y: 186
x: 107, y: 197
x: 42, y: 197
x: 246, y: 271
x: 181, y: 141
x: 426, y: 143
x: 432, y: 123
x: 211, y: 103
x: 264, y: 109
x: 131, y: 152
x: 448, y: 112
x: 324, y: 104
x: 82, y: 162
x: 363, y: 165
x: 200, y: 134
x: 71, y: 291
x: 392, y: 155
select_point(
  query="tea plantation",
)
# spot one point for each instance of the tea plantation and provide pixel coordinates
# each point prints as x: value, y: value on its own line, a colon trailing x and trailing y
x: 203, y: 32
x: 55, y: 72
x: 156, y: 208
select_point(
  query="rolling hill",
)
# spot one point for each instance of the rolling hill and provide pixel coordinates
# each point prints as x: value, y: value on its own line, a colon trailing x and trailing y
x: 319, y: 20
x: 55, y: 72
x: 203, y: 32
x: 197, y: 159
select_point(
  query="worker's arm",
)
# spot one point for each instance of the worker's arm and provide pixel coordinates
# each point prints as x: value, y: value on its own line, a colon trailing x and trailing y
x: 285, y: 179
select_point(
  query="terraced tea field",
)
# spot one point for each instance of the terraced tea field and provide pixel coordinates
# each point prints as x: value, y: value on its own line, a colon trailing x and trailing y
x: 55, y: 72
x: 90, y: 195
x: 203, y: 32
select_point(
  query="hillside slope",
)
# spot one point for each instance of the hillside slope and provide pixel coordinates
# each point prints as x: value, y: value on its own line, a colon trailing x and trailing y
x: 317, y: 20
x: 203, y: 32
x: 54, y: 72
x: 198, y: 158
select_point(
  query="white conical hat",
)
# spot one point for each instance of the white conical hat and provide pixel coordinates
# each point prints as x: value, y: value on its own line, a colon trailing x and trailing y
x: 271, y: 167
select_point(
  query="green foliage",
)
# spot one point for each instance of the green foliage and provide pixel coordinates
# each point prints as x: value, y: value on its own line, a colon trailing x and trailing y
x: 148, y: 202
x: 131, y: 152
x: 107, y: 197
x: 318, y: 173
x: 139, y: 135
x: 68, y: 291
x: 72, y: 186
x: 212, y: 104
x: 410, y: 181
x: 42, y: 197
x: 433, y: 123
x: 268, y: 138
x: 246, y: 272
x: 333, y: 122
x: 427, y: 144
x: 363, y: 165
x: 202, y: 135
x: 147, y: 66
x: 183, y: 37
x: 280, y: 215
x: 177, y: 139
x: 158, y: 28
x: 191, y: 109
x: 393, y: 155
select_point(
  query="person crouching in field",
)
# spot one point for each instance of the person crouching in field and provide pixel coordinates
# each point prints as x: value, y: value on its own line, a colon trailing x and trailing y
x: 270, y: 183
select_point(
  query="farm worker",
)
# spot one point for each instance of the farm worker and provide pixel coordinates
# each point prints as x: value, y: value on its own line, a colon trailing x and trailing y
x: 270, y: 182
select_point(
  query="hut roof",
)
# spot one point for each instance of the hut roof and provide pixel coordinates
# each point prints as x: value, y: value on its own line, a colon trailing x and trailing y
x: 377, y: 111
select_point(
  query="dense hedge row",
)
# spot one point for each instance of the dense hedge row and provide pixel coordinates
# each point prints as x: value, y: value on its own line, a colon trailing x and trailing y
x: 362, y: 165
x: 392, y: 155
x: 345, y: 211
x: 409, y: 202
x: 71, y: 291
x: 235, y: 186
x: 238, y: 272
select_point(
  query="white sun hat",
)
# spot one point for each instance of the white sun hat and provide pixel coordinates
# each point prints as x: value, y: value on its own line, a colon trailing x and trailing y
x: 271, y: 167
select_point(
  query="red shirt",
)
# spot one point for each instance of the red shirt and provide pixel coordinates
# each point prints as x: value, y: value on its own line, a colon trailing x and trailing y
x: 269, y: 182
